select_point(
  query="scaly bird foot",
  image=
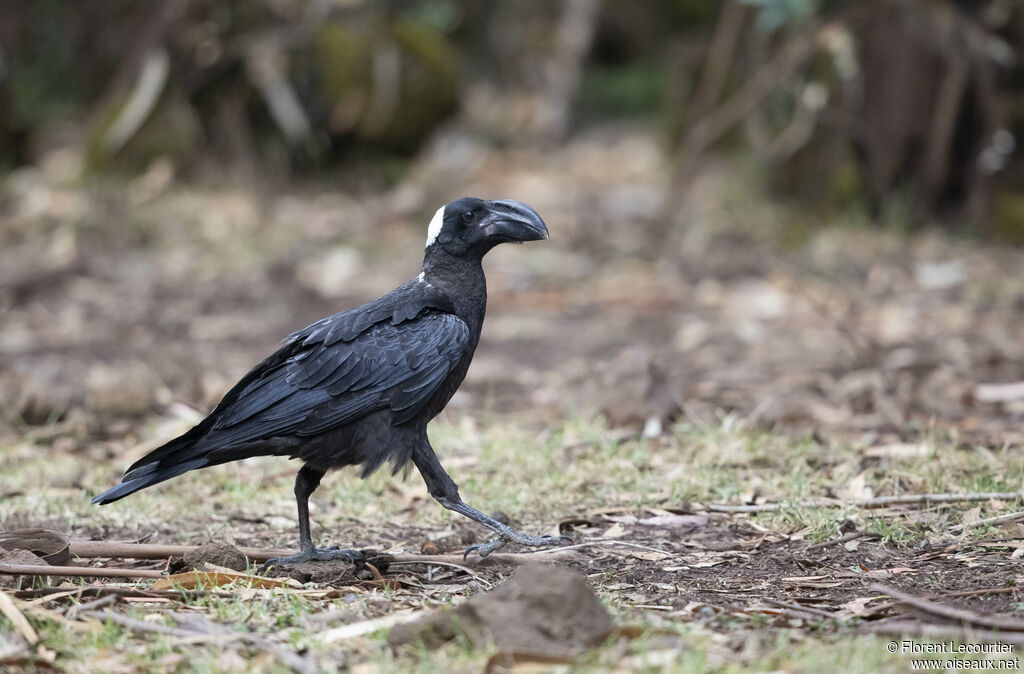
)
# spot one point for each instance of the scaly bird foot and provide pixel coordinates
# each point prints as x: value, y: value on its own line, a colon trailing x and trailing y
x: 316, y: 555
x: 515, y: 537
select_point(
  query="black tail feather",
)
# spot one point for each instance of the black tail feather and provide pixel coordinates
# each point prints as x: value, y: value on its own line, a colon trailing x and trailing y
x: 188, y: 452
x: 146, y: 476
x: 180, y: 455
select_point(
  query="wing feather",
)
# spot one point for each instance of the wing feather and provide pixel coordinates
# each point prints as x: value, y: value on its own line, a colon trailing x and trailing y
x: 324, y: 384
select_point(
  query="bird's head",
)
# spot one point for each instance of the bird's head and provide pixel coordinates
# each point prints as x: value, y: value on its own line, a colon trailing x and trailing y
x: 470, y: 226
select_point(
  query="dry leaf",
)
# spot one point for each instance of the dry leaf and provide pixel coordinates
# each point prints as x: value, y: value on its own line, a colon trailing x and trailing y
x: 856, y: 607
x: 364, y: 668
x: 999, y: 393
x: 524, y: 663
x: 652, y: 660
x: 675, y: 521
x: 899, y: 450
x: 971, y: 515
x: 650, y: 556
x: 857, y: 489
x: 192, y: 579
x: 614, y: 531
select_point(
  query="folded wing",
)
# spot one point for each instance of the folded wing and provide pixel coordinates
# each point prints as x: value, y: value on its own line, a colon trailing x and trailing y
x: 323, y: 385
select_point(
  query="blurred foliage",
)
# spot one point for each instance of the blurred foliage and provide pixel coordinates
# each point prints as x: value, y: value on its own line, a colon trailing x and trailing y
x: 42, y: 78
x: 300, y: 86
x: 633, y: 89
x: 774, y: 14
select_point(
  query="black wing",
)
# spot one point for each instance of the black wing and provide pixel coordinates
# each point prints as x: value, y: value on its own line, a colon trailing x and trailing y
x: 326, y: 380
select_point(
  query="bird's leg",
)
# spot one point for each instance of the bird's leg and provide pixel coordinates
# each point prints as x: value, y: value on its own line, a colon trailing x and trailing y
x: 505, y: 533
x: 446, y: 492
x: 306, y: 483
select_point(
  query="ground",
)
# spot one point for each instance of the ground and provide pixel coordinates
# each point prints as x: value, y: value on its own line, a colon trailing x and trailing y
x: 627, y: 393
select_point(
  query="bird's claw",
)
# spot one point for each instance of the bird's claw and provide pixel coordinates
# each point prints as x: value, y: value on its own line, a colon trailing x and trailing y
x: 532, y: 541
x: 485, y: 549
x: 316, y: 555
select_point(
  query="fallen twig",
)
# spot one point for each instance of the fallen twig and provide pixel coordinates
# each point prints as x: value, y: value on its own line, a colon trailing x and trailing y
x: 80, y: 571
x: 882, y: 608
x: 551, y: 552
x: 17, y: 618
x: 876, y: 502
x: 156, y: 628
x: 975, y: 593
x: 358, y: 629
x: 938, y: 632
x: 89, y: 549
x: 949, y: 614
x: 846, y: 538
x: 999, y: 519
x: 527, y: 557
x: 74, y: 609
x: 45, y: 594
x: 453, y: 565
x: 472, y: 560
x: 287, y: 657
x: 797, y: 607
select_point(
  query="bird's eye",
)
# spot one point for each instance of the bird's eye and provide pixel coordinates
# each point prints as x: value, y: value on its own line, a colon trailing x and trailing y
x: 468, y: 217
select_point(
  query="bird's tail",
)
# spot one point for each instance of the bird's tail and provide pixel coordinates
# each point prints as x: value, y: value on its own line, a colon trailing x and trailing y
x: 171, y: 459
x: 195, y: 449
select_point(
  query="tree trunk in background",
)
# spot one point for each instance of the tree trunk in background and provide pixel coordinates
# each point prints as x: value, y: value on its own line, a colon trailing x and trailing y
x: 538, y: 52
x: 927, y: 107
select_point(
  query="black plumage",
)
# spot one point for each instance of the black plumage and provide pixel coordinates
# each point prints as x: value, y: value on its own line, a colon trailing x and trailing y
x: 358, y: 388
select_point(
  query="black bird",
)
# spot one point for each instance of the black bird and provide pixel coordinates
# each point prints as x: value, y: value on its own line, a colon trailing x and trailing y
x: 358, y: 387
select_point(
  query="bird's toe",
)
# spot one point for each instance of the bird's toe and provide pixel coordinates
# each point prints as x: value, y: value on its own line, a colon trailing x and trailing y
x: 484, y: 549
x: 328, y: 554
x: 316, y: 555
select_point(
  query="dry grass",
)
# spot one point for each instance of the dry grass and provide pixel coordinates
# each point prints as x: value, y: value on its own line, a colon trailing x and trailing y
x: 579, y: 469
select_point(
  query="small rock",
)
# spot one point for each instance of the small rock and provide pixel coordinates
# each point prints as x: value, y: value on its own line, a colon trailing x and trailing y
x: 42, y: 397
x: 541, y: 610
x: 127, y: 389
x: 218, y: 554
x: 329, y: 272
x: 636, y: 390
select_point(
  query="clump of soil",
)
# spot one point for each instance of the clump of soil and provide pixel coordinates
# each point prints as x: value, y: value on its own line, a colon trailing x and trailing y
x: 21, y: 558
x: 333, y: 572
x: 542, y: 610
x: 218, y: 554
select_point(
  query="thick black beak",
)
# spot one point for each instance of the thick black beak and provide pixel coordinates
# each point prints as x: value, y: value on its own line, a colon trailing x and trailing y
x: 508, y: 220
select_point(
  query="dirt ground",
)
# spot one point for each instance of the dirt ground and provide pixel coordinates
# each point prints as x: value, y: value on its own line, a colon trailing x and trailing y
x: 785, y: 362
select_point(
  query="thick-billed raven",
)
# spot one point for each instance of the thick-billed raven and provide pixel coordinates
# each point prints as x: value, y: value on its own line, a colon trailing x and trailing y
x: 358, y: 387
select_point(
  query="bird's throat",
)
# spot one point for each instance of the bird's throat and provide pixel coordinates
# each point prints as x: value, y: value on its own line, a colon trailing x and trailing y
x: 462, y: 280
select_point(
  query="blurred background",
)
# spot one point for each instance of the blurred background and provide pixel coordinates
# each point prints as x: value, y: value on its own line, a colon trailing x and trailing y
x: 789, y: 214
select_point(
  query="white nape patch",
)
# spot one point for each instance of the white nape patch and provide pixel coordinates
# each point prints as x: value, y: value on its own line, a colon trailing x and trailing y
x: 423, y: 275
x: 435, y: 226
